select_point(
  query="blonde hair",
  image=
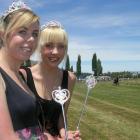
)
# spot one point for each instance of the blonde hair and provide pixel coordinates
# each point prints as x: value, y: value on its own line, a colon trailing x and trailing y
x: 53, y: 35
x: 15, y: 20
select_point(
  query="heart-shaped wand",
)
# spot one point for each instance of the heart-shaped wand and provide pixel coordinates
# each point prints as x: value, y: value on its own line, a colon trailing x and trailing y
x: 90, y: 82
x: 61, y: 96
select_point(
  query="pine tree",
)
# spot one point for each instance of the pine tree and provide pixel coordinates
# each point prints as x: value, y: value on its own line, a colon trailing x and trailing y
x: 99, y: 67
x: 94, y: 64
x: 78, y: 66
x: 101, y: 70
x: 67, y: 67
x: 71, y: 68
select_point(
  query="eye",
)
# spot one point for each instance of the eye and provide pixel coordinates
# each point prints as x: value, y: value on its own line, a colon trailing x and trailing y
x: 35, y: 34
x: 61, y: 46
x: 49, y: 45
x: 22, y: 32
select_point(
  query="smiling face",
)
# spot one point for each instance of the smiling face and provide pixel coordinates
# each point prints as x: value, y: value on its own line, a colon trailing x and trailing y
x: 53, y: 43
x: 22, y: 42
x: 53, y: 53
x: 20, y: 37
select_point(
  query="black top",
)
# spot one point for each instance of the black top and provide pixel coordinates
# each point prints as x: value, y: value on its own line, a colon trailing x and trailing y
x: 51, y: 109
x: 22, y: 106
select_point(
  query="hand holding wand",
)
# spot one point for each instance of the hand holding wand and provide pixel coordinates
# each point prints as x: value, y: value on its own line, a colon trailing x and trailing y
x: 61, y: 96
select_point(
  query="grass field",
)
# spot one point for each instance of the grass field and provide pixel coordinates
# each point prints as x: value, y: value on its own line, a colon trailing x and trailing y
x: 112, y: 112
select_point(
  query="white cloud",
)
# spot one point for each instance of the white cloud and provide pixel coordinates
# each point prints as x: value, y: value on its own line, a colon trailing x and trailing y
x: 105, y: 21
x: 104, y: 51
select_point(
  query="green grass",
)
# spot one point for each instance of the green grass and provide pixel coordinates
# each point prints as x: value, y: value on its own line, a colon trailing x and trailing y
x: 112, y: 112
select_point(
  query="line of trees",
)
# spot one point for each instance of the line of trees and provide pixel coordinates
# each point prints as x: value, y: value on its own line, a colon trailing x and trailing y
x: 123, y: 74
x: 97, y: 68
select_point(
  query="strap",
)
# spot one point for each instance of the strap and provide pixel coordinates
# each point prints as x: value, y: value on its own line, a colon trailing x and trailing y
x: 64, y: 84
x: 22, y: 76
x: 2, y: 78
x: 30, y: 81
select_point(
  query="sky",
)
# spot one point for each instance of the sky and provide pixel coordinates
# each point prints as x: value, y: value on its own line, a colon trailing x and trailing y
x: 109, y: 28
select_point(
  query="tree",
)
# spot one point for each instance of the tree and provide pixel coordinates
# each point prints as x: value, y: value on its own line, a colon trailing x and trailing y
x: 94, y: 64
x: 78, y: 66
x: 71, y: 68
x: 99, y: 67
x: 101, y: 70
x: 67, y: 67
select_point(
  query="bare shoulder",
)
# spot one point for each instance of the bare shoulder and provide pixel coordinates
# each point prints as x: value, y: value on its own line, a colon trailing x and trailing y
x: 23, y: 72
x: 35, y: 70
x: 72, y: 76
x: 2, y: 83
x: 71, y: 80
x: 2, y: 93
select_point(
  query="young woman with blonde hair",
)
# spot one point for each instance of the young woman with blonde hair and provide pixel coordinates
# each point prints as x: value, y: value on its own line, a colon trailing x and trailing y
x: 19, y: 34
x: 46, y: 76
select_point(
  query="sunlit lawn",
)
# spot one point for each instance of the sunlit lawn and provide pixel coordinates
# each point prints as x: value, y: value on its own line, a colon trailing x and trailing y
x: 112, y: 112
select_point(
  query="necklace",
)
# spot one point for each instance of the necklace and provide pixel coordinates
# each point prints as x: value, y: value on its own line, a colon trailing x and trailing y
x: 48, y: 85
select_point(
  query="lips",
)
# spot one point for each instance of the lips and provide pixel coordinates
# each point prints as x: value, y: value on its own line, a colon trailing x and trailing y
x: 26, y: 49
x: 53, y: 59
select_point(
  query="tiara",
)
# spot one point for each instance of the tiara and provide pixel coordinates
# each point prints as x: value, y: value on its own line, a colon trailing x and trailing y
x: 16, y: 5
x: 52, y: 23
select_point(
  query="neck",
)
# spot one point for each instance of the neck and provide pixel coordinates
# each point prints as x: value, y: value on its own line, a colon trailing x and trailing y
x: 8, y: 63
x: 47, y: 74
x: 48, y: 79
x: 48, y: 70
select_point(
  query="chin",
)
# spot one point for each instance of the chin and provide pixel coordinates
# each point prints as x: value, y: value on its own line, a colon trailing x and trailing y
x: 53, y: 65
x: 25, y: 58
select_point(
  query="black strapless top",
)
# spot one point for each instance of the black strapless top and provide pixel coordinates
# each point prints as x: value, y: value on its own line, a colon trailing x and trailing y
x: 22, y: 106
x: 51, y: 109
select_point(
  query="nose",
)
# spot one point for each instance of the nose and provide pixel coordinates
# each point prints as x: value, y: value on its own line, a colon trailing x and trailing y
x: 55, y: 50
x: 30, y: 38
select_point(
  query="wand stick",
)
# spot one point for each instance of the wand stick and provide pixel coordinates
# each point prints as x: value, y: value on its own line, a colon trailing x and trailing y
x: 90, y: 82
x: 61, y: 96
x: 83, y: 109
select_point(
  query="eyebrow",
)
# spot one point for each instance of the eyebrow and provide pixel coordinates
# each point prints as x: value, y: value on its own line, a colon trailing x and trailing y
x: 36, y: 30
x: 23, y: 27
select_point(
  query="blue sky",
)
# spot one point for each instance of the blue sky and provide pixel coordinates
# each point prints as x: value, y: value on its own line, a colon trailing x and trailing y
x: 109, y: 28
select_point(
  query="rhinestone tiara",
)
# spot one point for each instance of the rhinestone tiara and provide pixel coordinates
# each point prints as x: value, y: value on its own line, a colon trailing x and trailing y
x: 52, y: 23
x: 16, y: 5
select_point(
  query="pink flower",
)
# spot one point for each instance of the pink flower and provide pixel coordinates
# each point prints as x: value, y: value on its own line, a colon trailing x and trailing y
x: 26, y: 133
x: 37, y: 129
